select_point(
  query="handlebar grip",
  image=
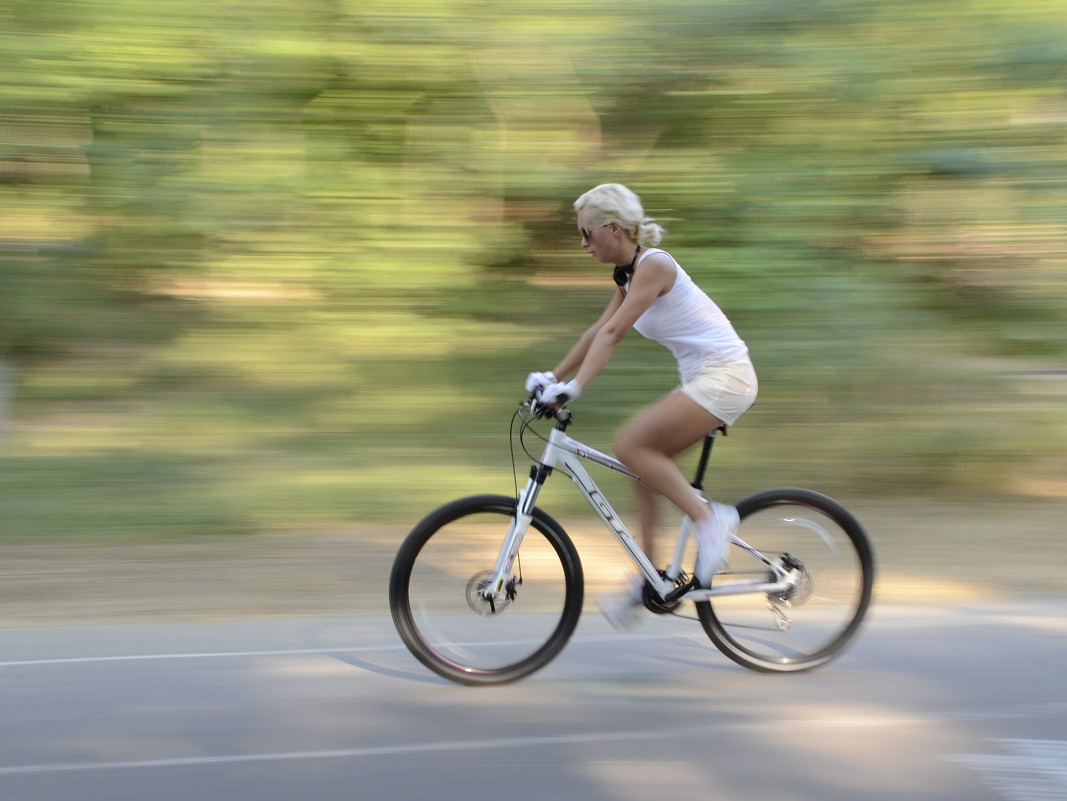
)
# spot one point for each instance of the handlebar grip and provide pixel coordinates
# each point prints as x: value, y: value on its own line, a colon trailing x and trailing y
x: 543, y: 410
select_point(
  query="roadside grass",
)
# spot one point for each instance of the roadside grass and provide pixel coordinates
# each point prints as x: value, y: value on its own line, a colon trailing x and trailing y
x: 286, y: 420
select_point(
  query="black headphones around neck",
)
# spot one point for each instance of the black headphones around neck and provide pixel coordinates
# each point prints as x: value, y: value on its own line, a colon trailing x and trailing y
x: 623, y: 274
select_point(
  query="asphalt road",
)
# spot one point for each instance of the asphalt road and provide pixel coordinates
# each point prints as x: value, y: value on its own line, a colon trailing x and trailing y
x: 947, y: 702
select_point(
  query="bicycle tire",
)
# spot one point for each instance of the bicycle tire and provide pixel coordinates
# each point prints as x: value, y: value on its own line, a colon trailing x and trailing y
x: 440, y: 615
x: 825, y: 610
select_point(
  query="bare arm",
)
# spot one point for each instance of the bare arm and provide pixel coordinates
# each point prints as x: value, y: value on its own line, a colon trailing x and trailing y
x: 574, y: 358
x: 596, y: 346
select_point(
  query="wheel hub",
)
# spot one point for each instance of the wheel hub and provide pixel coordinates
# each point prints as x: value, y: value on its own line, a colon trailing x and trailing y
x: 484, y: 603
x: 800, y: 582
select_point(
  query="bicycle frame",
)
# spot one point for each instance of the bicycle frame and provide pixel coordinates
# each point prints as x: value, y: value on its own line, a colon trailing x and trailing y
x: 564, y: 453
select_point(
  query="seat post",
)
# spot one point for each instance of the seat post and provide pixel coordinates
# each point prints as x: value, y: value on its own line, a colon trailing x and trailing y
x: 705, y: 454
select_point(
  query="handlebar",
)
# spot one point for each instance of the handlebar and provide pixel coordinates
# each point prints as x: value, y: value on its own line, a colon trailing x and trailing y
x: 561, y: 414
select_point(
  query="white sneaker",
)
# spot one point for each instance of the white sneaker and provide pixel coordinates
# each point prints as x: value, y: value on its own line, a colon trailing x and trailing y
x: 712, y: 534
x: 621, y: 608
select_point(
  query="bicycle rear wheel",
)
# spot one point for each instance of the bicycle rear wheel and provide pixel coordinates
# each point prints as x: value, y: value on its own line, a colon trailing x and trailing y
x: 807, y: 625
x: 436, y: 601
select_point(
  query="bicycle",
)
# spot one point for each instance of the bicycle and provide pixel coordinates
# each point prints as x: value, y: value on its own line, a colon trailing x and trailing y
x: 795, y: 591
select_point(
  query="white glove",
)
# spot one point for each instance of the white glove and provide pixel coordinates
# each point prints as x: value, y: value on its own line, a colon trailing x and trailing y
x: 536, y: 381
x: 561, y: 393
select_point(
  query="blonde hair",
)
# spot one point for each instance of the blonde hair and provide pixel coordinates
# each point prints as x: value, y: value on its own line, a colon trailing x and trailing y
x: 615, y: 203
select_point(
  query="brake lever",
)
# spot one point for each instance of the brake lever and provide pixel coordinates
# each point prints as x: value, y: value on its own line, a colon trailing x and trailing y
x: 539, y: 410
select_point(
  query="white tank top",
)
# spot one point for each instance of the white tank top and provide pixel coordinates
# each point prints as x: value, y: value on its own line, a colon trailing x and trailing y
x: 690, y: 325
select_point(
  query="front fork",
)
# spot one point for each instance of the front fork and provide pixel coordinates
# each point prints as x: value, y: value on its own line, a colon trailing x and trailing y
x: 520, y: 522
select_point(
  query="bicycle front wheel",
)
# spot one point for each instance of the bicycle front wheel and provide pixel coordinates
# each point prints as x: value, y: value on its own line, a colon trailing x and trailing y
x: 435, y: 592
x: 832, y: 569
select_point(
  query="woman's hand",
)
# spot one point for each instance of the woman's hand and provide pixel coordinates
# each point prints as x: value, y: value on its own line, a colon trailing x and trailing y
x: 560, y: 394
x: 536, y: 381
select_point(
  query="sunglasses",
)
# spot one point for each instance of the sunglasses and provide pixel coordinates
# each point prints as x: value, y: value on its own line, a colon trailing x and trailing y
x: 587, y: 234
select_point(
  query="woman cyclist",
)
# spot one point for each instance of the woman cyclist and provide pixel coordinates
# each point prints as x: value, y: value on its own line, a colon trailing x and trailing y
x: 657, y: 297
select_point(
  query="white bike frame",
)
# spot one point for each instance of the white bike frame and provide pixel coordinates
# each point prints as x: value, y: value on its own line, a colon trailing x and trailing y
x: 565, y: 453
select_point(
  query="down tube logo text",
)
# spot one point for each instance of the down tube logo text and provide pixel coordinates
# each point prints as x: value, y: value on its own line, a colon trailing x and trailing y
x: 604, y: 508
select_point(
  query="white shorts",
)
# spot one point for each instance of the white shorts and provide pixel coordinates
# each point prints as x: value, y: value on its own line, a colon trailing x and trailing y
x: 726, y: 390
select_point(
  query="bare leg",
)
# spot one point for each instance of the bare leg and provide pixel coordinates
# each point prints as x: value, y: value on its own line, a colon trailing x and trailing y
x: 648, y: 445
x: 648, y: 515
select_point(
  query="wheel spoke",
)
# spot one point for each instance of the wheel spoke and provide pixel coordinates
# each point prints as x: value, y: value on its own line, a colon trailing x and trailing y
x: 823, y: 553
x: 449, y: 622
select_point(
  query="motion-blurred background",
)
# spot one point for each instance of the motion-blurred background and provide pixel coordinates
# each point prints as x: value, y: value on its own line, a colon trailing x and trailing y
x: 281, y: 267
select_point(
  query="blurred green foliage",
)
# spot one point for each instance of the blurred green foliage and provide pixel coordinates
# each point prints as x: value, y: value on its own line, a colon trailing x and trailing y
x: 278, y: 266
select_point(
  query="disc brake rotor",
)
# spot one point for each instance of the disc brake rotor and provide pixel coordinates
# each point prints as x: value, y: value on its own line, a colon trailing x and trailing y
x: 477, y: 600
x: 800, y: 586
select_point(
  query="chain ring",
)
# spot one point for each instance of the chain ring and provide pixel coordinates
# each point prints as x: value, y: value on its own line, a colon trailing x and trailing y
x: 653, y: 603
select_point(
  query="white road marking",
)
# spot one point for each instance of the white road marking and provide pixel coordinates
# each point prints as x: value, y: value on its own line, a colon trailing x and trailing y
x: 462, y: 745
x: 78, y: 660
x: 351, y: 649
x: 908, y: 619
x: 1032, y: 770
